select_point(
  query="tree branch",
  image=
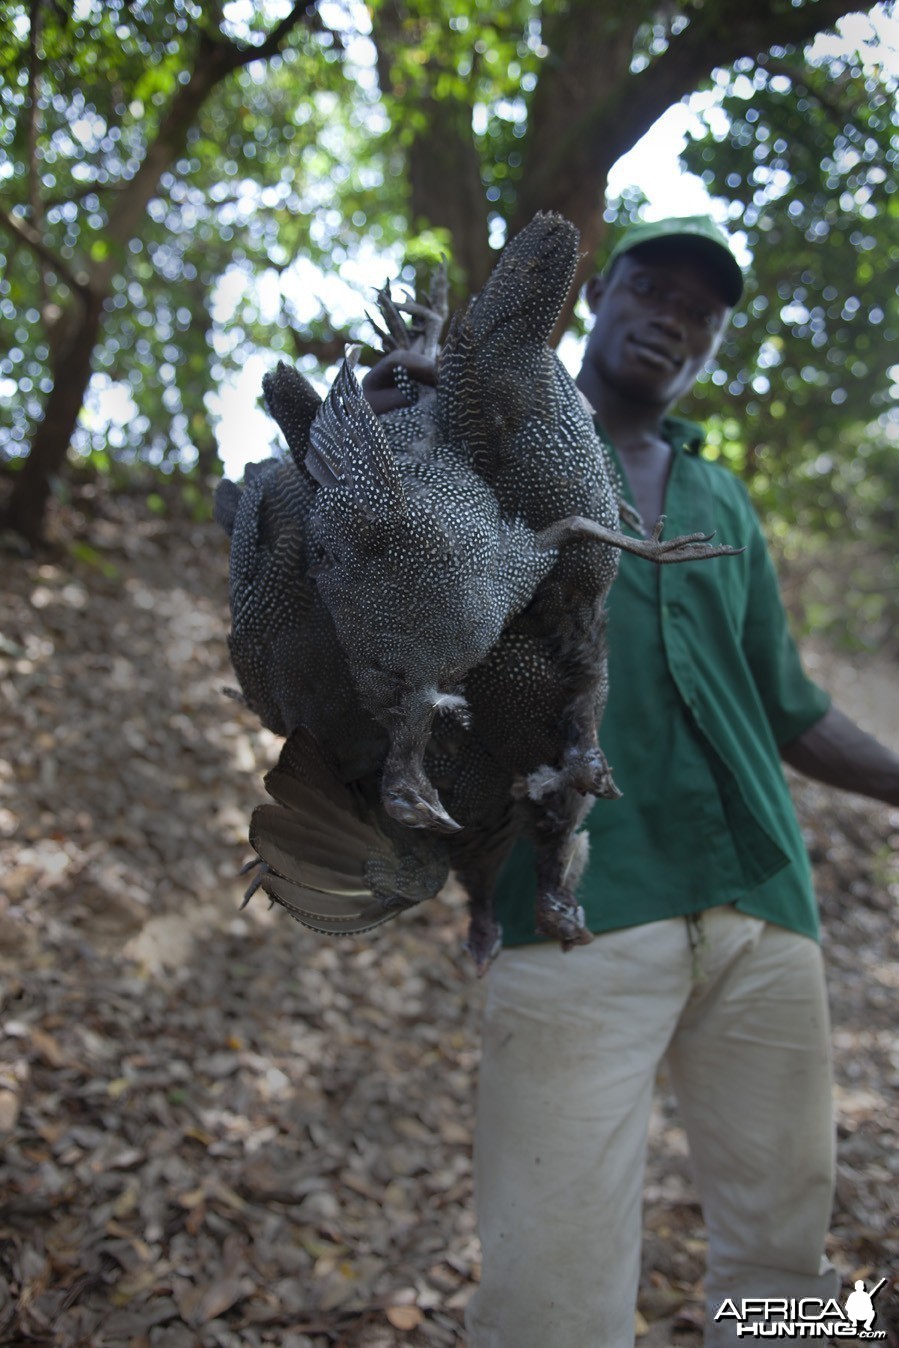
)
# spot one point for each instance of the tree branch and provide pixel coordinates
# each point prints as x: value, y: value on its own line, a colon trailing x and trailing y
x: 707, y: 42
x: 589, y: 108
x: 799, y: 79
x: 215, y: 60
x: 25, y: 233
x: 243, y: 55
x: 607, y: 108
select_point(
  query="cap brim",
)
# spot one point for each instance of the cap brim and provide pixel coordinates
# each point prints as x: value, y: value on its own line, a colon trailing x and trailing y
x: 708, y: 252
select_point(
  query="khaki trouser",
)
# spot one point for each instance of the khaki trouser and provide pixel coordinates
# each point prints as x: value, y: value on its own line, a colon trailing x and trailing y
x: 572, y: 1043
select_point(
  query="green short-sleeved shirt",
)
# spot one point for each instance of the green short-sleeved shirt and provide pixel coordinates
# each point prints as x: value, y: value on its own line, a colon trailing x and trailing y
x: 705, y: 684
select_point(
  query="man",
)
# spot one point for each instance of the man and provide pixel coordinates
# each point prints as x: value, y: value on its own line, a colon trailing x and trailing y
x: 698, y: 888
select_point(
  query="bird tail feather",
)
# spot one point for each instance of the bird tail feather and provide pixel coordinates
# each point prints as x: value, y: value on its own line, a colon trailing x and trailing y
x: 319, y: 843
x: 322, y: 912
x: 348, y: 447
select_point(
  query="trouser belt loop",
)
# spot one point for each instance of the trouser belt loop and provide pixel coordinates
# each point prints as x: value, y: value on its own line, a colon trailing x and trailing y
x: 699, y: 944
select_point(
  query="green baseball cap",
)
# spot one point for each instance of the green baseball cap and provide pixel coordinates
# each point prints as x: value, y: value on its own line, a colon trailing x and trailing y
x: 697, y: 234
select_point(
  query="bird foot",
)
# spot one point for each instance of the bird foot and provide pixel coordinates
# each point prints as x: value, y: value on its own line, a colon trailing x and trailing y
x: 586, y: 771
x: 563, y: 920
x: 483, y: 943
x: 423, y: 333
x: 583, y: 770
x: 684, y: 548
x: 416, y: 808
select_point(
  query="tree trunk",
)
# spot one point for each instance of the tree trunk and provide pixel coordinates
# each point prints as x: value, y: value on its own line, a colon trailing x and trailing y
x: 71, y: 368
x: 71, y: 362
x: 446, y: 190
x: 443, y: 166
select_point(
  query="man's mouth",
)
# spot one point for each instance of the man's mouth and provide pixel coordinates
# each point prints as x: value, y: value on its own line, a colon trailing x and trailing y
x: 659, y: 357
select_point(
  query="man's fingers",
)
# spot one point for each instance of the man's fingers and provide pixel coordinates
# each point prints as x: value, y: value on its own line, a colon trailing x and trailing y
x: 383, y: 400
x: 379, y: 384
x: 421, y: 369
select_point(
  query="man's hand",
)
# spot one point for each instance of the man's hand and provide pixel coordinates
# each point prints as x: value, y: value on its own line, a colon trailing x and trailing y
x: 379, y: 385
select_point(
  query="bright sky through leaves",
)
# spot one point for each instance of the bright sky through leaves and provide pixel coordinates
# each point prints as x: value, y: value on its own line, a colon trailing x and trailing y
x: 245, y: 433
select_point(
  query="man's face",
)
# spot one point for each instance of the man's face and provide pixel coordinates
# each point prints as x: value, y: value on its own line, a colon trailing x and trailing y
x: 659, y: 320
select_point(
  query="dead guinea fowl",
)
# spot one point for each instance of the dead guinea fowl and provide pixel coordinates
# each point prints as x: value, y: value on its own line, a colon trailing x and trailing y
x: 421, y: 571
x: 462, y: 549
x: 358, y: 867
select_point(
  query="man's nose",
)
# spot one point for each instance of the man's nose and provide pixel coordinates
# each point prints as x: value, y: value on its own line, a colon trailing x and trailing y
x: 669, y: 316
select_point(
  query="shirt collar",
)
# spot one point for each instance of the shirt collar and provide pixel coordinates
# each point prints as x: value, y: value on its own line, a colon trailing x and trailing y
x: 681, y: 434
x: 684, y: 435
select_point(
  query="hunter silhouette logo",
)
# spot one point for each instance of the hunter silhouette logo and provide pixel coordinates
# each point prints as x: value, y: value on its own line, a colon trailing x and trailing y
x: 860, y: 1305
x: 805, y: 1317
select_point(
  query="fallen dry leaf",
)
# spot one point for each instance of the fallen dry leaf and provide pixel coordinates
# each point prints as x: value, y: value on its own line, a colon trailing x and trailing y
x: 47, y: 1047
x: 249, y: 1135
x: 404, y: 1317
x: 10, y: 1104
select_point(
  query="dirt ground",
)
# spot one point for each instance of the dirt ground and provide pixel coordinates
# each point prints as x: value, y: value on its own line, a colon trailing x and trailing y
x: 221, y: 1129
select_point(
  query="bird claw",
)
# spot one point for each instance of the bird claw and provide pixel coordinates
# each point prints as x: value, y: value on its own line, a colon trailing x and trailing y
x: 413, y: 809
x: 483, y: 943
x: 584, y: 771
x: 587, y: 772
x: 563, y: 920
x: 685, y: 547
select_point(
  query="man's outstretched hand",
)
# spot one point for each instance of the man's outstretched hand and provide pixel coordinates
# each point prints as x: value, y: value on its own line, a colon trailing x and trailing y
x: 379, y: 385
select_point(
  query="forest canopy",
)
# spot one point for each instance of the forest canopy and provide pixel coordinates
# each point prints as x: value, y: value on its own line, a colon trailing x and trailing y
x: 184, y: 183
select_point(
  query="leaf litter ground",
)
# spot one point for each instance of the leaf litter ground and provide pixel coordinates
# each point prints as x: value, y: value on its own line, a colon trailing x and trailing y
x: 220, y: 1129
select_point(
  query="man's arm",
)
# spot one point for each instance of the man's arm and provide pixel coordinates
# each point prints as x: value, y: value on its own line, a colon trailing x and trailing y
x: 836, y: 751
x: 816, y: 739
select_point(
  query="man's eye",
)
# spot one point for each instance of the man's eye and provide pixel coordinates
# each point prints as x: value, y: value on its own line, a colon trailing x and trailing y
x: 643, y: 285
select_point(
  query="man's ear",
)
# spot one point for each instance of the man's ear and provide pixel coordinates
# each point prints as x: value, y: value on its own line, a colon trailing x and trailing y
x: 594, y: 291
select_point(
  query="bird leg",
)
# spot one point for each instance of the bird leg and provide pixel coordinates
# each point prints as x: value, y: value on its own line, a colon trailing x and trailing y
x: 684, y: 548
x: 485, y: 935
x: 561, y: 854
x: 584, y: 769
x: 583, y: 766
x: 423, y: 334
x: 406, y: 793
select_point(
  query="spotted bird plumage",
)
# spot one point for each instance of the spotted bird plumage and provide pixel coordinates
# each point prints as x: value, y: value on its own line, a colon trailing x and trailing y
x: 418, y: 607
